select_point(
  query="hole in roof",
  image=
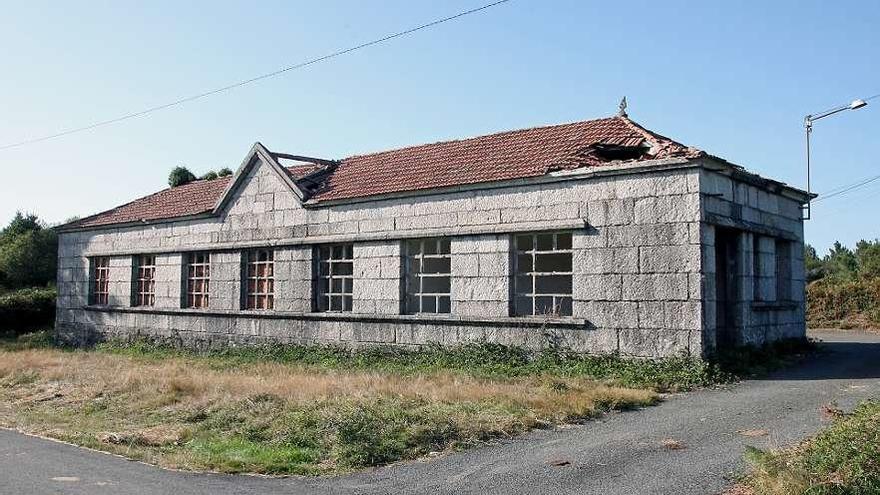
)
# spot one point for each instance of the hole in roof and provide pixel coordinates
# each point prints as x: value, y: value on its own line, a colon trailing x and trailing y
x: 612, y: 152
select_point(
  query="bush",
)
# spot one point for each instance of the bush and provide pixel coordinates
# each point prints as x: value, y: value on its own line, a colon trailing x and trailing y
x: 842, y: 459
x: 180, y: 176
x: 846, y: 304
x: 26, y: 309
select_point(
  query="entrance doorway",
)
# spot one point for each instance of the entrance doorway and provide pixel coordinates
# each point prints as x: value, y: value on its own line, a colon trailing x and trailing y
x: 727, y: 260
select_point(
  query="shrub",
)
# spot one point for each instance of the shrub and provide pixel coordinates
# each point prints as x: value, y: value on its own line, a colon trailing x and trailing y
x: 26, y: 309
x: 842, y: 459
x: 849, y: 303
x: 180, y: 176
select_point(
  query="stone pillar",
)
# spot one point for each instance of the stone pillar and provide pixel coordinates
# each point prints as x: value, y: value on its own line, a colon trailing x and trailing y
x: 377, y: 278
x: 293, y: 279
x: 225, y: 284
x: 121, y: 272
x: 480, y: 284
x: 169, y: 284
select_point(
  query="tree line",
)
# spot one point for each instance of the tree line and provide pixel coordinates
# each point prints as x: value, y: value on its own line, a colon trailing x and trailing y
x: 842, y: 263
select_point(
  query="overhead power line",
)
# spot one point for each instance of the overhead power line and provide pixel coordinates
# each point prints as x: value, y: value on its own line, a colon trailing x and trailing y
x: 260, y: 77
x: 847, y: 188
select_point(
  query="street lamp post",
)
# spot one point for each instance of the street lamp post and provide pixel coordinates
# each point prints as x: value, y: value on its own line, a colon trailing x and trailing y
x: 808, y: 128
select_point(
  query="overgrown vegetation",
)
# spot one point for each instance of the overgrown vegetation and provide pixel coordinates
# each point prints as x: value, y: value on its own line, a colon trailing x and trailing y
x: 844, y: 286
x: 182, y: 175
x: 25, y: 310
x: 483, y: 360
x: 300, y: 410
x: 842, y: 459
x: 320, y: 409
x: 28, y: 261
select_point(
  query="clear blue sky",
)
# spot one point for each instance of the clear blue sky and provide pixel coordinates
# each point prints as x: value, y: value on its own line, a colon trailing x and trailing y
x: 732, y: 78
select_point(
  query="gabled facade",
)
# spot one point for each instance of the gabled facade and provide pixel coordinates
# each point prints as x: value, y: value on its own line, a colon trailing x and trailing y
x: 599, y: 236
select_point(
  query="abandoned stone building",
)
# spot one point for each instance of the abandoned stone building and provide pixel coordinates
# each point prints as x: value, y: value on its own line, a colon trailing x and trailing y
x: 598, y: 236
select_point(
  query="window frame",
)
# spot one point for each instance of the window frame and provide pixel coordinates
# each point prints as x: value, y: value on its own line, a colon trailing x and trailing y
x: 442, y: 301
x: 197, y: 273
x: 99, y: 280
x: 561, y: 301
x: 330, y: 266
x: 258, y: 298
x: 144, y: 281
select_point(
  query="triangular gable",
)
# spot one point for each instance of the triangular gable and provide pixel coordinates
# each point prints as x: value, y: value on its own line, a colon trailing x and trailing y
x: 258, y: 153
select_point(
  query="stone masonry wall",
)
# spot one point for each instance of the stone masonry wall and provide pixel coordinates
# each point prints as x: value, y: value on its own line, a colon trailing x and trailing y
x: 765, y: 217
x: 638, y: 279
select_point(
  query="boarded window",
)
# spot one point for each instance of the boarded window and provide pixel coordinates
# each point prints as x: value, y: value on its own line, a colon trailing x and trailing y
x: 260, y: 279
x: 100, y: 280
x: 542, y: 274
x: 198, y: 280
x: 335, y: 277
x: 145, y: 280
x: 428, y: 268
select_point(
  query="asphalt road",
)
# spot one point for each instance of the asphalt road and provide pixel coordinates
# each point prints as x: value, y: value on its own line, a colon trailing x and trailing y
x: 621, y: 454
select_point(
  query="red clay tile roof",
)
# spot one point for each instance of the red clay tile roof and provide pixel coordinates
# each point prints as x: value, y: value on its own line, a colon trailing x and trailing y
x: 193, y: 198
x: 507, y: 155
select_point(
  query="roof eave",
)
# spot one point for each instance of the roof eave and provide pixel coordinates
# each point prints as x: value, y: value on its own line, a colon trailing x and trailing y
x: 63, y: 229
x: 739, y: 172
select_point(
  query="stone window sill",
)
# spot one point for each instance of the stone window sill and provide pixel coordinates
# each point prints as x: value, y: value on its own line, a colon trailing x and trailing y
x: 774, y: 305
x: 340, y: 316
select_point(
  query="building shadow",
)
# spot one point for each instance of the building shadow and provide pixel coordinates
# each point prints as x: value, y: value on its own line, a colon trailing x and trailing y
x: 836, y: 360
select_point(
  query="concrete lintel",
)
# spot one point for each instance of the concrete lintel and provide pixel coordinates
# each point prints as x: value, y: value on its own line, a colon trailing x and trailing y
x: 723, y: 221
x: 499, y: 229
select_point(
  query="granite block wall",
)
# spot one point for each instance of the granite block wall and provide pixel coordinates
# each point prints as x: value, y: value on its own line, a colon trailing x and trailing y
x: 641, y: 255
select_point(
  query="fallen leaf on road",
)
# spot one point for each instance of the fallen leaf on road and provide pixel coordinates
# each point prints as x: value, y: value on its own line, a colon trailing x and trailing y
x: 672, y: 444
x: 560, y: 463
x: 753, y: 433
x: 830, y: 411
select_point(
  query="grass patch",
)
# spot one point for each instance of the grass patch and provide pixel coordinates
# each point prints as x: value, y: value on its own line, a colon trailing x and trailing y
x: 842, y: 459
x: 486, y: 360
x: 317, y: 409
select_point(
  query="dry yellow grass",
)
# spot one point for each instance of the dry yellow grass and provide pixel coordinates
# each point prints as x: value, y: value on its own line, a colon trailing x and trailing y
x: 185, y: 413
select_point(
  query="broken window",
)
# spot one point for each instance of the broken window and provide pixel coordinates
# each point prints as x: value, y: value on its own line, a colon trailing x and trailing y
x: 100, y: 280
x: 145, y: 280
x: 335, y: 277
x: 260, y: 277
x: 198, y: 279
x: 542, y: 274
x: 428, y: 269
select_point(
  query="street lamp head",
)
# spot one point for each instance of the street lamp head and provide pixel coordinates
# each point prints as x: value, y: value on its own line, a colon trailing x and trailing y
x: 856, y: 104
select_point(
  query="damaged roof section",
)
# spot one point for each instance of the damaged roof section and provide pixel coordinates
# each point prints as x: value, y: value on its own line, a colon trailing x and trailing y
x: 509, y: 155
x: 495, y: 157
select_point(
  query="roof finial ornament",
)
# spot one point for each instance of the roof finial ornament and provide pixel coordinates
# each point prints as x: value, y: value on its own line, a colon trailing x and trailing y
x: 622, y: 108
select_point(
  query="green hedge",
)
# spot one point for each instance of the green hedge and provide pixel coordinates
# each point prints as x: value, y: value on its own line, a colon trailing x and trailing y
x: 844, y: 303
x: 26, y: 309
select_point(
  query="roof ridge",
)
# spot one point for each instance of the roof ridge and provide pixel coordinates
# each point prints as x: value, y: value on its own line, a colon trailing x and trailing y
x: 656, y: 138
x: 480, y: 136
